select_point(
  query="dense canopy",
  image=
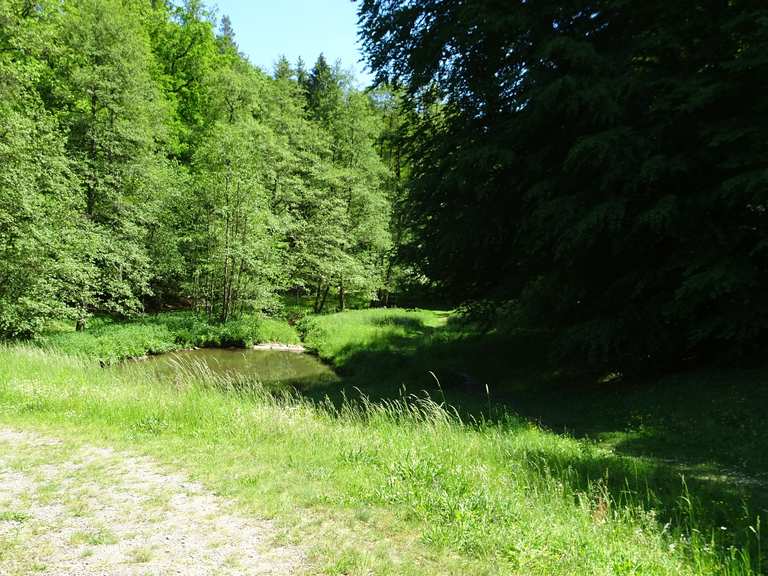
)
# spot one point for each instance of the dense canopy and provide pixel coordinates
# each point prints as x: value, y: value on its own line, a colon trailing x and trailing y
x: 146, y: 163
x: 601, y: 163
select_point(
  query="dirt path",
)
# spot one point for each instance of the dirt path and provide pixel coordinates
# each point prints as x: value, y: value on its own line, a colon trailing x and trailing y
x: 84, y: 511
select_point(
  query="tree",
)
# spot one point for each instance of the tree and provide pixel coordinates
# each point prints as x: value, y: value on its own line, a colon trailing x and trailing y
x: 597, y: 161
x: 357, y: 209
x: 146, y: 164
x: 42, y: 238
x: 227, y: 33
x: 301, y: 72
x: 188, y: 55
x: 363, y: 181
x: 241, y: 264
x: 392, y: 149
x: 283, y: 70
x: 114, y: 117
x: 324, y: 94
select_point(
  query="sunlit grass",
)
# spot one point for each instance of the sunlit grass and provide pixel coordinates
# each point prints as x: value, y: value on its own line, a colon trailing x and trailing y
x: 330, y: 335
x: 396, y: 487
x: 108, y: 341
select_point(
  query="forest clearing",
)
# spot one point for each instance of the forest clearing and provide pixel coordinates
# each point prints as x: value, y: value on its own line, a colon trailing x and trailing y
x: 494, y: 304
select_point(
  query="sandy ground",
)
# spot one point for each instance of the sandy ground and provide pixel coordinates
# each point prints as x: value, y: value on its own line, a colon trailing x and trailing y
x: 298, y: 348
x: 86, y: 510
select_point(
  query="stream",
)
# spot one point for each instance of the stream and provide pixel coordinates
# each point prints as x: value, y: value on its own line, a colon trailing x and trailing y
x: 272, y: 368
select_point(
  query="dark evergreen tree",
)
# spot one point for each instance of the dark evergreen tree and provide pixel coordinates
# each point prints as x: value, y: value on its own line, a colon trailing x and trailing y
x: 283, y: 70
x: 226, y: 30
x: 301, y: 73
x: 601, y: 161
x: 323, y: 91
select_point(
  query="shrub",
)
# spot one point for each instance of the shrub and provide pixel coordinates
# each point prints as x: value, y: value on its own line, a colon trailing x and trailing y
x: 109, y: 341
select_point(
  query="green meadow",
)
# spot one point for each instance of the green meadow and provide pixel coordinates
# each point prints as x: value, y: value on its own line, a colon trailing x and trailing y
x: 413, y: 474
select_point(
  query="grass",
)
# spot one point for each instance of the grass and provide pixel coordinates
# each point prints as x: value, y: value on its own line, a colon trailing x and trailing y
x: 705, y: 417
x: 382, y: 351
x: 395, y: 487
x: 140, y: 555
x: 110, y: 341
x: 705, y: 426
x: 337, y: 336
x: 93, y: 537
x: 13, y: 516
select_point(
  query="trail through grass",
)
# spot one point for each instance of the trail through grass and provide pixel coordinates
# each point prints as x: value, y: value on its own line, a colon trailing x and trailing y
x: 398, y: 487
x: 93, y: 510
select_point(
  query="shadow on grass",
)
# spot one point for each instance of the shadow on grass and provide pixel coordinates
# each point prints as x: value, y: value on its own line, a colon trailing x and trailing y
x: 698, y: 418
x: 723, y: 511
x: 463, y: 367
x: 690, y: 446
x: 406, y: 322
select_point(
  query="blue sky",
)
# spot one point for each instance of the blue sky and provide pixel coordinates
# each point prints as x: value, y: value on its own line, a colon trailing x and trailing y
x: 265, y: 29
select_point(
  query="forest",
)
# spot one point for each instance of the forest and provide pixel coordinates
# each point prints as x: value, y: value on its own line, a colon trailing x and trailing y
x: 500, y: 308
x: 148, y: 165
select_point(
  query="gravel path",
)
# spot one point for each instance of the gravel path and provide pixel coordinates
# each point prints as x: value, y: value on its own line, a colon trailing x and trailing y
x: 86, y: 511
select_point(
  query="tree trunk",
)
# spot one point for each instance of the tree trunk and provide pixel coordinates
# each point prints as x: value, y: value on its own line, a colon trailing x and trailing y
x: 342, y: 299
x: 316, y: 307
x: 90, y: 201
x: 325, y: 295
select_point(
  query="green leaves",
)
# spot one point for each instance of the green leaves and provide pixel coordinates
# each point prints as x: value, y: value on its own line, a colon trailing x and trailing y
x: 238, y: 243
x: 145, y: 163
x: 598, y: 161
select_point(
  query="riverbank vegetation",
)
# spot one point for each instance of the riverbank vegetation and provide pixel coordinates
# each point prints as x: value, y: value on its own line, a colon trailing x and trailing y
x: 108, y: 341
x: 395, y: 488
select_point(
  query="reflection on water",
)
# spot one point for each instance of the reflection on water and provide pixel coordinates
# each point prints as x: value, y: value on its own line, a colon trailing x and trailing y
x: 273, y: 368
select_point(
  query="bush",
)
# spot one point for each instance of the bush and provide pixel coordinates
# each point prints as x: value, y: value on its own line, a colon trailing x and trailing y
x: 114, y: 342
x: 109, y: 341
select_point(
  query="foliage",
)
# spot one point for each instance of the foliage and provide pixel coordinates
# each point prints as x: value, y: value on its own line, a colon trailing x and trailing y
x: 599, y: 161
x: 240, y: 263
x: 114, y: 342
x: 42, y: 269
x: 347, y: 241
x: 109, y: 342
x: 146, y: 164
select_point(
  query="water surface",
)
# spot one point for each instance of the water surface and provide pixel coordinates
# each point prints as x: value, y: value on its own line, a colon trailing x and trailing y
x: 272, y: 368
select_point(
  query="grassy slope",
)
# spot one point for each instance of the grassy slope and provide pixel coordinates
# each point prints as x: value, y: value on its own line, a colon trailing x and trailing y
x: 701, y: 417
x: 390, y: 489
x: 110, y: 341
x: 707, y: 427
x: 382, y: 351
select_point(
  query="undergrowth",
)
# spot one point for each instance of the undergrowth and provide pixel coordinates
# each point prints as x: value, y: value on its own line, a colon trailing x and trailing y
x: 110, y: 341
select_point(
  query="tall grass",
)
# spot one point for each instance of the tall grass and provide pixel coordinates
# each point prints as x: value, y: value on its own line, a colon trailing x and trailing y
x: 110, y: 341
x: 336, y: 336
x: 396, y: 487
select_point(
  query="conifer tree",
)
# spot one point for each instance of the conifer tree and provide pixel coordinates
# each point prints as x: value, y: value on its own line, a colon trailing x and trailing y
x: 597, y: 162
x: 283, y: 70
